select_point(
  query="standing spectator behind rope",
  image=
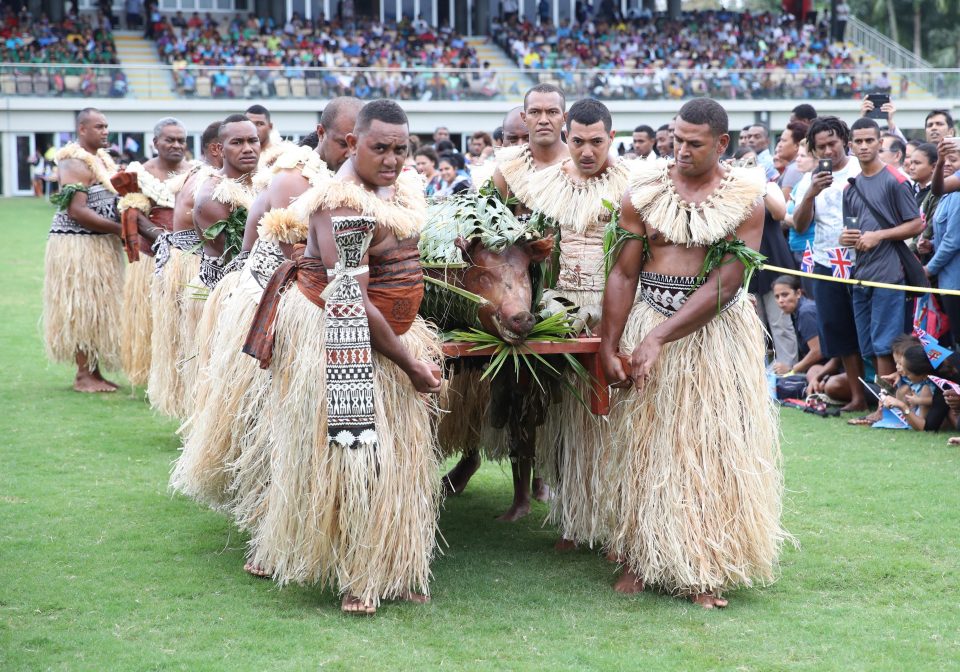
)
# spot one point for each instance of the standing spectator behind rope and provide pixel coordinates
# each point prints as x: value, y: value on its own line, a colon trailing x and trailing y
x: 822, y: 203
x: 879, y: 313
x: 945, y: 263
x: 798, y: 242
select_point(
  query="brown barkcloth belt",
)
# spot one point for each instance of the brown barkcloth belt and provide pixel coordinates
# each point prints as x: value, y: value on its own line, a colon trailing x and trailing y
x: 395, y: 288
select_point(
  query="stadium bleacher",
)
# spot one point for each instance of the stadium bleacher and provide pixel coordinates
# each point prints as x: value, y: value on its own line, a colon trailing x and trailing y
x: 76, y: 47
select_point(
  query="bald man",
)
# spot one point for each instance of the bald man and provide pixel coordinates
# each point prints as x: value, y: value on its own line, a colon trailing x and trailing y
x: 83, y: 276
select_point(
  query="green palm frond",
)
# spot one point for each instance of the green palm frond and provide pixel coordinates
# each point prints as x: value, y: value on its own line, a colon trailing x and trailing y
x: 232, y: 229
x: 717, y: 256
x: 614, y: 237
x: 62, y: 198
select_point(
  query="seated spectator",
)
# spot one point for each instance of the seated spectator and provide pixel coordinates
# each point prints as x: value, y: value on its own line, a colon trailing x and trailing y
x: 803, y: 314
x: 221, y: 84
x: 452, y: 181
x: 914, y: 398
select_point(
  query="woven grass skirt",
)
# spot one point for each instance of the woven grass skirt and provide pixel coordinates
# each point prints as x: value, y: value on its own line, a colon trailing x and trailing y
x: 230, y: 395
x: 165, y: 387
x: 137, y: 320
x: 699, y: 495
x: 362, y: 521
x: 82, y: 294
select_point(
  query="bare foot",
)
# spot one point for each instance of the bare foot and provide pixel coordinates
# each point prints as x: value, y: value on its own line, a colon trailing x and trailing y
x: 456, y: 480
x: 953, y: 441
x: 708, y: 600
x: 541, y: 491
x: 256, y: 570
x: 517, y: 511
x: 87, y: 382
x: 416, y: 598
x: 854, y: 406
x: 615, y: 558
x: 628, y: 583
x: 354, y: 605
x: 565, y: 545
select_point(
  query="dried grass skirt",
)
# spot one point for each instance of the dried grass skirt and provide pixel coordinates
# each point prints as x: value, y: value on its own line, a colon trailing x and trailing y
x: 137, y: 320
x: 165, y: 386
x: 360, y: 520
x: 227, y: 406
x: 699, y: 495
x: 82, y: 293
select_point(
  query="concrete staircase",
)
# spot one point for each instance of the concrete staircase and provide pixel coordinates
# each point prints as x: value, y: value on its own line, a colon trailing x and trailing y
x: 149, y: 77
x: 513, y: 84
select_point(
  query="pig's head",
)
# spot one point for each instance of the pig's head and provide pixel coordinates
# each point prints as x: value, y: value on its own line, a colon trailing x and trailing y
x: 503, y: 279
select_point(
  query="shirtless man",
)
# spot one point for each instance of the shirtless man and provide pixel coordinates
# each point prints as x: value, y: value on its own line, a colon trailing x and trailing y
x: 572, y: 194
x: 218, y: 448
x: 372, y: 536
x: 260, y: 116
x: 83, y: 263
x: 212, y: 160
x: 224, y: 192
x: 148, y: 197
x: 336, y: 122
x: 515, y: 131
x: 697, y: 498
x: 543, y: 114
x: 177, y: 261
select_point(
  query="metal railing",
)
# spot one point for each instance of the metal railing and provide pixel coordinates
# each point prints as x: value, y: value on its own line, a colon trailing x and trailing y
x: 425, y: 84
x: 884, y: 48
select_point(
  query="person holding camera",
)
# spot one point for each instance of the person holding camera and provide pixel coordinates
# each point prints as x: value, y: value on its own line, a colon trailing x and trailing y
x: 822, y: 203
x: 880, y: 212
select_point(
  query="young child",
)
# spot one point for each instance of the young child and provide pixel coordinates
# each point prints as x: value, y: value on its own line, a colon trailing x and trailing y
x: 895, y: 381
x: 915, y: 398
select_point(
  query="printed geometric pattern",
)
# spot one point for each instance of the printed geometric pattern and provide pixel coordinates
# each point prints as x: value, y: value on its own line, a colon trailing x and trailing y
x: 265, y: 258
x: 667, y: 293
x: 185, y: 241
x: 99, y: 199
x: 350, y: 419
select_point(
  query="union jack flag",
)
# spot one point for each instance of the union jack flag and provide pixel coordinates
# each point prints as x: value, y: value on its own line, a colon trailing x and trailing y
x: 925, y: 338
x: 944, y: 384
x: 841, y: 262
x: 806, y: 262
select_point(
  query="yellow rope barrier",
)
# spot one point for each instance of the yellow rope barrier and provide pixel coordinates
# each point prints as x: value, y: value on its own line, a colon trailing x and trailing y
x: 862, y: 283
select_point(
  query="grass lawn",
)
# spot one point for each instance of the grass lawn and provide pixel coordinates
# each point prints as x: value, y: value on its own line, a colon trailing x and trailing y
x: 101, y: 569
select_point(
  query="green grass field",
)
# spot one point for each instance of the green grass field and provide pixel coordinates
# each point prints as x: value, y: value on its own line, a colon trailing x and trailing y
x: 101, y: 569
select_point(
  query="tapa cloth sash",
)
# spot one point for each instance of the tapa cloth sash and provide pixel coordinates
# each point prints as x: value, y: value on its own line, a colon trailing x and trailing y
x: 395, y: 288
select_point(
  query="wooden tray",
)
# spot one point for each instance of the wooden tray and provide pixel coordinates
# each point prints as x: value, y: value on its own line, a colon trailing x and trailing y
x: 586, y: 349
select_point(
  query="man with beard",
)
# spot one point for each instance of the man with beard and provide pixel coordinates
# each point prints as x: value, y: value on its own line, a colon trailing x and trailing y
x: 146, y: 194
x: 543, y: 114
x: 83, y: 274
x: 231, y: 390
x: 572, y: 194
x: 352, y: 498
x: 177, y: 262
x: 698, y: 494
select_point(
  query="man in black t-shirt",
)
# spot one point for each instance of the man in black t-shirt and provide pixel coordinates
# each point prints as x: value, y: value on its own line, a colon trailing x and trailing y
x: 879, y: 313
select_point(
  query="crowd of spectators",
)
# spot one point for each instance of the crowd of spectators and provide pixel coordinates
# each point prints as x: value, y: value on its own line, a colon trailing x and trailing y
x: 75, y: 47
x: 251, y: 57
x: 701, y: 54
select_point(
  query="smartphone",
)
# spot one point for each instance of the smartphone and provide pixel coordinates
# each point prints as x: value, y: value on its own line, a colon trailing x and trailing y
x: 850, y: 222
x: 878, y: 100
x: 825, y: 166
